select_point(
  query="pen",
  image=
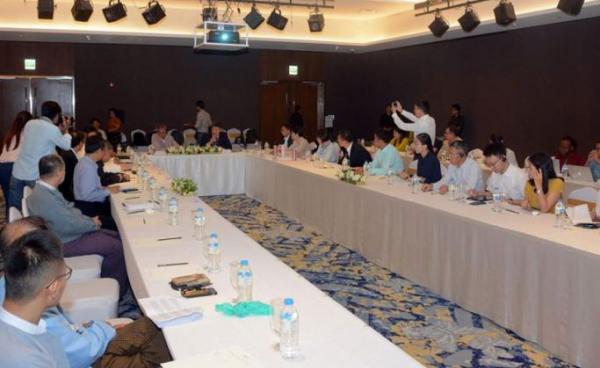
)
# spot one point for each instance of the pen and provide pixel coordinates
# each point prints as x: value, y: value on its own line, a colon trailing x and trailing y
x: 172, y: 264
x: 509, y: 210
x: 144, y: 220
x: 131, y: 198
x: 173, y: 238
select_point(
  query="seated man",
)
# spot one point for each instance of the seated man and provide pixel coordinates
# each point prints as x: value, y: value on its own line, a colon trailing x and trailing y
x: 594, y: 162
x: 35, y: 277
x: 567, y: 152
x: 506, y: 178
x: 78, y: 232
x: 161, y: 140
x: 90, y: 197
x: 387, y: 159
x: 140, y: 341
x: 299, y: 143
x: 462, y: 171
x: 217, y: 138
x: 353, y: 153
x: 327, y: 151
x: 109, y: 178
x: 70, y: 157
x: 286, y: 133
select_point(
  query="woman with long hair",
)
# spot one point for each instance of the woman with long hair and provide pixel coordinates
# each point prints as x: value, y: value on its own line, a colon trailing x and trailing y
x: 9, y: 150
x: 428, y: 165
x: 544, y: 187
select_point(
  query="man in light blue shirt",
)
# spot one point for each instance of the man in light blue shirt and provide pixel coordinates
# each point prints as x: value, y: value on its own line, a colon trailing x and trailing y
x: 387, y: 159
x: 328, y: 151
x: 462, y: 171
x: 40, y: 138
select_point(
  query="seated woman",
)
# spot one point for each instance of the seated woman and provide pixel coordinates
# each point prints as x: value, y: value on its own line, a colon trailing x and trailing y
x: 544, y: 188
x: 428, y: 165
x: 328, y: 151
x: 300, y: 144
x: 400, y: 140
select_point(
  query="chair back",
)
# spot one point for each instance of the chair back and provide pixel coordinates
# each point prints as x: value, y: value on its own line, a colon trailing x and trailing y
x: 589, y: 196
x: 138, y: 138
x: 14, y: 214
x: 177, y: 136
x: 233, y: 134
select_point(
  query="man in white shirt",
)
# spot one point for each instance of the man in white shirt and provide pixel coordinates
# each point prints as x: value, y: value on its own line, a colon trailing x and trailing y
x: 40, y: 138
x: 422, y: 122
x: 506, y: 178
x: 462, y: 171
x: 203, y: 119
x: 161, y: 140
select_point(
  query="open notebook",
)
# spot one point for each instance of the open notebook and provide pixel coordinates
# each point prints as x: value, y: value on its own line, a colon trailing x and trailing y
x: 168, y: 311
x: 233, y: 357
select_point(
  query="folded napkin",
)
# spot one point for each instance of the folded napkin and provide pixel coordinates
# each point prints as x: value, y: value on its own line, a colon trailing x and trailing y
x: 244, y: 309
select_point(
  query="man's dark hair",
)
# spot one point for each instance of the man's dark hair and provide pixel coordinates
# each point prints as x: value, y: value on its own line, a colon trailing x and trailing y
x: 323, y: 134
x: 423, y: 105
x: 571, y: 140
x: 298, y: 130
x: 495, y: 149
x: 93, y: 144
x: 346, y: 135
x: 454, y: 129
x: 31, y: 263
x: 461, y: 146
x: 286, y: 126
x: 34, y: 222
x: 51, y: 109
x: 384, y: 135
x: 50, y: 165
x: 76, y: 138
x: 495, y: 138
x: 200, y: 104
x: 456, y: 107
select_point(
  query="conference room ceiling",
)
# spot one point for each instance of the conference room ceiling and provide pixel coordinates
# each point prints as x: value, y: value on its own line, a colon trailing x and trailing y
x: 353, y: 26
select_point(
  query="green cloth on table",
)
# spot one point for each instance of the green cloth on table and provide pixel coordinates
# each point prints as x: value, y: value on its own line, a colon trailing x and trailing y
x: 244, y: 309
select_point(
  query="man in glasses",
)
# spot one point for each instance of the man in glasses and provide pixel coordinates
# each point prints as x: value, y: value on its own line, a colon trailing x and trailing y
x: 35, y: 274
x: 506, y: 178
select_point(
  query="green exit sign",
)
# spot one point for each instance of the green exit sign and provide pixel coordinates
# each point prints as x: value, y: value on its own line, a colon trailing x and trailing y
x: 29, y: 64
x: 293, y: 70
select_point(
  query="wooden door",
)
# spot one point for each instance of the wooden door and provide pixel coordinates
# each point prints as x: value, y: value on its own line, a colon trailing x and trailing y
x: 306, y: 94
x: 59, y: 89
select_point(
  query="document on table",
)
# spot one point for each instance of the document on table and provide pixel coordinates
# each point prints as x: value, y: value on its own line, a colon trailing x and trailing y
x: 167, y: 311
x: 233, y: 357
x: 579, y: 214
x: 140, y: 207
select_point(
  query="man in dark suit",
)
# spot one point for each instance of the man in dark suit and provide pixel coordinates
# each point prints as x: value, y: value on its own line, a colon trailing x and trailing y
x: 352, y: 151
x: 286, y: 133
x: 70, y: 158
x: 109, y: 178
x: 217, y: 138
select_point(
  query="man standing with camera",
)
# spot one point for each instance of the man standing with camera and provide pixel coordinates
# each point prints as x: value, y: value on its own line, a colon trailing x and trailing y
x: 40, y: 138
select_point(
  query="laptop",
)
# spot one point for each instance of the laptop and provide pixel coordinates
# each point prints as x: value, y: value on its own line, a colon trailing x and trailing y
x: 581, y: 173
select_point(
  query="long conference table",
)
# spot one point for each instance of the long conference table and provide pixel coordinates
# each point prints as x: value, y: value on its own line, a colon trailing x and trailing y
x: 516, y: 269
x: 330, y: 336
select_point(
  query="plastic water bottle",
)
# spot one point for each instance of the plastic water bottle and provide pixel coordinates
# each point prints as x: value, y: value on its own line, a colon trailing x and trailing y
x: 199, y: 222
x: 389, y: 177
x: 162, y: 198
x: 267, y: 146
x: 559, y: 212
x: 153, y: 184
x: 366, y: 169
x: 244, y: 282
x: 214, y: 254
x: 173, y: 212
x: 497, y: 199
x: 345, y: 162
x: 289, y: 331
x: 414, y: 182
x: 565, y: 171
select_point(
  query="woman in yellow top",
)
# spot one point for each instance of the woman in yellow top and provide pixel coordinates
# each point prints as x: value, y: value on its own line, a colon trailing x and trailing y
x: 544, y: 188
x: 400, y: 140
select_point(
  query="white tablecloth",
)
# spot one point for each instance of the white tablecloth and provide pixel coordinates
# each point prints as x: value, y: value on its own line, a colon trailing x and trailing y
x: 330, y: 336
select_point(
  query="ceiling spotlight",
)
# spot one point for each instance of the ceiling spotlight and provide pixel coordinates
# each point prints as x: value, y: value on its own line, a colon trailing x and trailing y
x: 210, y: 13
x: 439, y: 26
x: 254, y: 19
x: 276, y: 19
x: 82, y: 10
x: 45, y: 9
x: 154, y: 13
x: 470, y: 20
x: 316, y: 21
x: 115, y: 11
x: 572, y: 7
x: 505, y: 13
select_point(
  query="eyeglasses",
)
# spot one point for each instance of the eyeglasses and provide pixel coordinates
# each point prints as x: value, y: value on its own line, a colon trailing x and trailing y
x: 66, y: 275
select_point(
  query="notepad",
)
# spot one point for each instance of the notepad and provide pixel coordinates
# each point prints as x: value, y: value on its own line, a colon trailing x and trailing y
x: 233, y: 357
x: 579, y: 214
x: 166, y: 311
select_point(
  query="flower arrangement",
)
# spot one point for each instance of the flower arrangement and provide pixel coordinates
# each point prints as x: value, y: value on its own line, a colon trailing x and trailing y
x: 183, y: 186
x: 192, y: 150
x: 352, y: 177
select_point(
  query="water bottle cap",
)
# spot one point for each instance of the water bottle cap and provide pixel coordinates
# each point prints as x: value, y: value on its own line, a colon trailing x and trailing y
x: 213, y: 235
x: 288, y: 301
x: 200, y: 209
x: 244, y: 262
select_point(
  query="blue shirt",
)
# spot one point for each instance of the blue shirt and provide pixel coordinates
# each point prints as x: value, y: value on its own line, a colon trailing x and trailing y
x: 328, y: 152
x: 386, y: 159
x: 40, y: 138
x: 595, y: 167
x: 428, y: 167
x: 86, y: 182
x: 468, y: 175
x: 82, y: 345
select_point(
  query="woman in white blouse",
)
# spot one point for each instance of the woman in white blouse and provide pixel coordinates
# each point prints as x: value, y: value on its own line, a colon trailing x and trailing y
x: 10, y: 150
x: 300, y: 144
x: 328, y: 151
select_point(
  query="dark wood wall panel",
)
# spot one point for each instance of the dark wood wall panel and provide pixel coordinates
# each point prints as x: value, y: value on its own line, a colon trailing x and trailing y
x: 274, y: 64
x: 51, y: 58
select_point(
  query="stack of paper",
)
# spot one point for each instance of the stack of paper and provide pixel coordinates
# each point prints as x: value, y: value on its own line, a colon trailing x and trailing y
x: 140, y: 207
x: 233, y: 357
x: 167, y: 311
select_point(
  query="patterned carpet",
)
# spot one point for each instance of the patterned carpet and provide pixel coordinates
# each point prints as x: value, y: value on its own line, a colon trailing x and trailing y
x: 435, y: 331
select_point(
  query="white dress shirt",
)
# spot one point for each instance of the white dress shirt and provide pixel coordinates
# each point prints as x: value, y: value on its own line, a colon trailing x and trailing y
x: 301, y: 146
x: 203, y: 121
x: 424, y: 124
x: 468, y: 175
x: 511, y: 182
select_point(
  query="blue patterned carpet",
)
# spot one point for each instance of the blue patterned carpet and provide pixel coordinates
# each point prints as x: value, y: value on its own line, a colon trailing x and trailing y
x: 435, y: 331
